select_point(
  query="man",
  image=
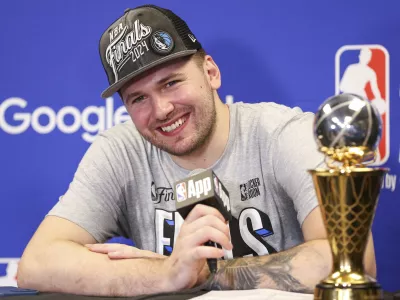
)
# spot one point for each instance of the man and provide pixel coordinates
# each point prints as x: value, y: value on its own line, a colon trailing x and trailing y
x: 123, y: 185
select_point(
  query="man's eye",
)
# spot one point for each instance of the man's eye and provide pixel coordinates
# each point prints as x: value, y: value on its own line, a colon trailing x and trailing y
x: 171, y: 83
x: 137, y: 100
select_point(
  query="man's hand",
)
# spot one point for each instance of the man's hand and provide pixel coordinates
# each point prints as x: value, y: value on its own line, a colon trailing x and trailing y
x: 121, y: 251
x: 188, y: 259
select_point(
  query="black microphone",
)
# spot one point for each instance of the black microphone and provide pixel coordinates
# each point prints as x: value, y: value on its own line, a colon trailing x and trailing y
x: 202, y: 187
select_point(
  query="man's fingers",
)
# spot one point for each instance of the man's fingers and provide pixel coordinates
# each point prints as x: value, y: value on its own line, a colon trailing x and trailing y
x: 208, y: 220
x: 121, y: 251
x: 208, y: 233
x: 201, y: 210
x: 120, y: 255
x: 146, y: 253
x: 202, y: 252
x: 134, y: 254
x: 103, y: 248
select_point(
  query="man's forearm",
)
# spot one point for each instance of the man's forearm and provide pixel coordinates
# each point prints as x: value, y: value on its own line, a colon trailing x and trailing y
x: 298, y: 269
x: 71, y: 268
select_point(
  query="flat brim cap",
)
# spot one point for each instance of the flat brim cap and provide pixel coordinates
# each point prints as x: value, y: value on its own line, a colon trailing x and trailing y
x: 140, y: 40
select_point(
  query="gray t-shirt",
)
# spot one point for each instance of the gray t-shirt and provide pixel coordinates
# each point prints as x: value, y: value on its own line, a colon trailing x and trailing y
x: 123, y: 185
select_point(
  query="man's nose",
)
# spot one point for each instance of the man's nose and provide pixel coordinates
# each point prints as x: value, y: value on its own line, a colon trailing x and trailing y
x: 162, y: 106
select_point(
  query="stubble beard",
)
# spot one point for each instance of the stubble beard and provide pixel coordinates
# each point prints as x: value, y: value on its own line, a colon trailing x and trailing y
x: 204, y: 123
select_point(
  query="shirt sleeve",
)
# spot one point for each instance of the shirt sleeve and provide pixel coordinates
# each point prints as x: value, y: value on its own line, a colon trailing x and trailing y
x: 95, y: 197
x: 295, y: 152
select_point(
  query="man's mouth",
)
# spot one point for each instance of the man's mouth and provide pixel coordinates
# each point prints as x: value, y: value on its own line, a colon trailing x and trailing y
x: 176, y: 126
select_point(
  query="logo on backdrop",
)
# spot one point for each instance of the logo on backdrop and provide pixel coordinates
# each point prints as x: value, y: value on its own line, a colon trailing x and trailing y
x: 364, y: 70
x: 10, y: 276
x: 16, y: 117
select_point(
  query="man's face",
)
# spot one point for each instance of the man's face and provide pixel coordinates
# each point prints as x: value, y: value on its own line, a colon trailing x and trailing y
x: 173, y: 106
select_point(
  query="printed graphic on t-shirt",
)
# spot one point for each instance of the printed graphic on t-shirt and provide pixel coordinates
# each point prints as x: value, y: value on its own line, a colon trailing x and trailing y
x: 167, y: 226
x: 250, y: 189
x: 161, y: 194
x: 249, y: 233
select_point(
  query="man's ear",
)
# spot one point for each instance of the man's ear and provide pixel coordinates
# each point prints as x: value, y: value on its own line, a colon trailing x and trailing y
x: 212, y: 72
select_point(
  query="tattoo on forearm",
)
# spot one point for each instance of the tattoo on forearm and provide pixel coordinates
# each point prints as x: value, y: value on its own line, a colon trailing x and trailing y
x: 259, y: 272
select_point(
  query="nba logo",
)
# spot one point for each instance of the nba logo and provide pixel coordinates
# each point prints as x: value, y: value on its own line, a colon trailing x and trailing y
x: 181, y: 194
x: 364, y: 70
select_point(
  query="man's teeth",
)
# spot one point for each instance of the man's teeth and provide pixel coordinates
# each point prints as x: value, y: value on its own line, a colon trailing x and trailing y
x: 173, y: 126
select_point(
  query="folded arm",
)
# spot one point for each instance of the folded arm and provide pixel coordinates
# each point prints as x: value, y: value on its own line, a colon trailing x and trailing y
x: 61, y: 257
x: 56, y: 260
x: 297, y: 269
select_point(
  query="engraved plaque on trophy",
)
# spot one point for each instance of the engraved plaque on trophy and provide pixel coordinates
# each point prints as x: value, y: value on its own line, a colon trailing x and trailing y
x: 347, y: 129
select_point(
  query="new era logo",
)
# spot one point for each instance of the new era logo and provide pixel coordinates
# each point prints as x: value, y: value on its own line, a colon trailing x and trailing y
x: 192, y: 38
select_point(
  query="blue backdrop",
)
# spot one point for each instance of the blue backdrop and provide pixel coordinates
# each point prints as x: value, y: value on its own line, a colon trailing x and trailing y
x: 292, y: 52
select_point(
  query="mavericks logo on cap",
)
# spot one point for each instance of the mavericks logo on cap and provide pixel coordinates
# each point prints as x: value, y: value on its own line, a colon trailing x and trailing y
x: 162, y: 42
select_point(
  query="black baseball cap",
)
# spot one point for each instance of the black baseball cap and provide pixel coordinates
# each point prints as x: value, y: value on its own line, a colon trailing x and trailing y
x: 144, y: 37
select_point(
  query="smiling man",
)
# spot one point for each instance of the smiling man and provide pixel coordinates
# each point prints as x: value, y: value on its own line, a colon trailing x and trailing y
x: 261, y: 152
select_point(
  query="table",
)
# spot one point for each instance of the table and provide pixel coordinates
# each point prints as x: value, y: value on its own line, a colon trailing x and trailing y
x: 170, y: 296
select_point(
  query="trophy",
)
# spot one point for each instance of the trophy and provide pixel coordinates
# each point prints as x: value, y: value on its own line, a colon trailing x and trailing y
x: 347, y: 129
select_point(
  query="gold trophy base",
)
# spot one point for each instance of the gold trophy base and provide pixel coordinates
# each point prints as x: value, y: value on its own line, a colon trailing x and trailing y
x: 370, y: 291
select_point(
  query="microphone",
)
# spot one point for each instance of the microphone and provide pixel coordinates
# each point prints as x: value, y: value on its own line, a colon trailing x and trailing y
x: 202, y: 187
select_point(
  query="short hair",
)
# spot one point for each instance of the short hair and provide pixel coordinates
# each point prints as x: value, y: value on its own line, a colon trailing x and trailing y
x: 199, y: 56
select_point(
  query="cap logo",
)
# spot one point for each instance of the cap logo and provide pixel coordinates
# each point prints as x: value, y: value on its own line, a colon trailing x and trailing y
x: 123, y: 46
x: 192, y: 38
x: 162, y: 42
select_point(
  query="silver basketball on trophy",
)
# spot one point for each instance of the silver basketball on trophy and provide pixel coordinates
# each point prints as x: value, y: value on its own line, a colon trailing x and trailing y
x: 348, y: 123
